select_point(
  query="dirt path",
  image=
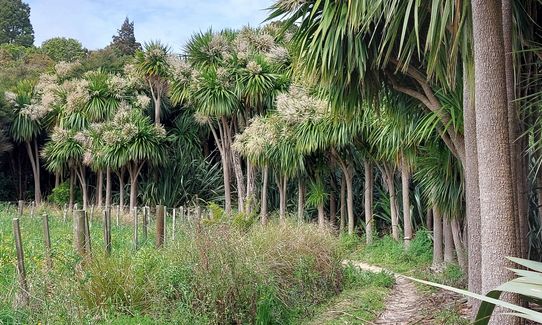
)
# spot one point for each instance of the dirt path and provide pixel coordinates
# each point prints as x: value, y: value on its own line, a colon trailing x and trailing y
x: 406, y: 305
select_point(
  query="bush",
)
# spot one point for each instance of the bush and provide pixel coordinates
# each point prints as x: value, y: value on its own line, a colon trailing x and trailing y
x: 60, y: 194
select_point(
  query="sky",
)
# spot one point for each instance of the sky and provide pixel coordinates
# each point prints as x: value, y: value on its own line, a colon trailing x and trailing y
x: 94, y: 22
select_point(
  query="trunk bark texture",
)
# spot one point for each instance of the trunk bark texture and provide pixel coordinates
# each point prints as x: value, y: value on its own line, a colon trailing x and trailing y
x: 497, y: 205
x: 368, y: 198
x: 448, y: 240
x: 437, y: 239
x: 405, y: 182
x: 263, y: 210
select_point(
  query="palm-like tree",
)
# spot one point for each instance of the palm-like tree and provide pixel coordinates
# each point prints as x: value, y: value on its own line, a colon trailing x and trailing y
x: 153, y: 65
x: 27, y: 125
x: 131, y: 140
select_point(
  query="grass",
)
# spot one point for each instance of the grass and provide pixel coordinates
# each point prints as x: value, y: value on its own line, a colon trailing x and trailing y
x: 211, y: 274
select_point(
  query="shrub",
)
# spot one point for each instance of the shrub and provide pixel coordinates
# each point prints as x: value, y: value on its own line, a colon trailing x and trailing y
x: 60, y: 194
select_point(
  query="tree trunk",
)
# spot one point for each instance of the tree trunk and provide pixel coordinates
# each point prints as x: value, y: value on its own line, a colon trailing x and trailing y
x: 368, y: 198
x: 448, y: 240
x: 498, y: 222
x: 108, y: 187
x: 240, y: 178
x: 472, y: 190
x: 281, y: 183
x: 133, y: 187
x: 516, y: 152
x: 343, y: 204
x: 57, y: 179
x: 458, y: 243
x: 251, y: 186
x: 38, y: 172
x: 34, y: 163
x: 321, y: 215
x: 350, y: 199
x: 121, y: 187
x: 72, y: 190
x: 300, y: 200
x: 84, y: 189
x: 157, y: 109
x: 99, y: 188
x: 388, y: 175
x: 429, y: 219
x: 263, y: 210
x: 437, y: 239
x: 405, y: 182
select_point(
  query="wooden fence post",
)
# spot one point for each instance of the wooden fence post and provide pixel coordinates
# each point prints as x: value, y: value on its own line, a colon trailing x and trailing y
x: 182, y: 213
x: 145, y: 222
x: 79, y: 231
x: 159, y: 226
x: 65, y: 212
x: 165, y: 224
x: 118, y: 213
x: 91, y: 216
x: 107, y: 229
x: 135, y: 228
x: 174, y: 219
x: 87, y: 234
x: 20, y: 208
x: 32, y: 207
x: 22, y: 297
x: 47, y: 241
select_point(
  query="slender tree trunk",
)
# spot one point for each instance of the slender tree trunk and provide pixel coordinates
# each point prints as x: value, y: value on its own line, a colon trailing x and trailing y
x: 251, y: 186
x: 350, y: 199
x: 472, y: 190
x: 99, y: 188
x: 133, y: 171
x: 343, y: 204
x: 240, y: 178
x: 429, y: 219
x: 38, y: 171
x: 458, y: 244
x: 57, y: 179
x: 225, y: 152
x: 263, y: 210
x: 405, y: 182
x: 34, y: 163
x: 495, y: 177
x: 157, y: 109
x: 368, y: 198
x: 438, y: 258
x: 108, y: 187
x: 121, y: 187
x: 84, y: 188
x: 388, y: 174
x: 321, y: 215
x: 448, y: 240
x: 72, y: 190
x: 281, y: 183
x: 516, y: 157
x: 300, y: 200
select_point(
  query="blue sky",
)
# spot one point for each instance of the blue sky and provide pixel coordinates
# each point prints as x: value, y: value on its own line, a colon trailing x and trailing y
x: 94, y: 22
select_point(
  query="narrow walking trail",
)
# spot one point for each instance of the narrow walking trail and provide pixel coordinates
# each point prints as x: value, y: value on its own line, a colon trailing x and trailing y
x: 406, y: 305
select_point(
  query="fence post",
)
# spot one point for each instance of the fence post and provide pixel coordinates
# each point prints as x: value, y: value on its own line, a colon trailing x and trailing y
x: 145, y: 222
x: 32, y: 206
x: 20, y: 208
x: 22, y: 297
x: 65, y: 212
x: 135, y: 228
x: 47, y: 241
x: 174, y: 219
x: 107, y: 229
x: 159, y: 225
x: 79, y: 235
x: 118, y: 213
x: 198, y: 212
x: 165, y: 224
x: 87, y: 234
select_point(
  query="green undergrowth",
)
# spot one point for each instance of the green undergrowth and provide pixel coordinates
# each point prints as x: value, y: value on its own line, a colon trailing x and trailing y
x: 211, y: 274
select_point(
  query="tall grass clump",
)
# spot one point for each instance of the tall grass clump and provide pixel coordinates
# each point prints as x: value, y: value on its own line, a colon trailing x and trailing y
x: 213, y: 273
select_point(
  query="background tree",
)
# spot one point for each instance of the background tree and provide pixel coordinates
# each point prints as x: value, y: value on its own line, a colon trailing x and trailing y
x: 125, y: 42
x: 15, y: 26
x: 63, y: 49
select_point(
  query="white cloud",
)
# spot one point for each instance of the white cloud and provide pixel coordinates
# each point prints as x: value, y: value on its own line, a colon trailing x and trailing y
x: 94, y: 22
